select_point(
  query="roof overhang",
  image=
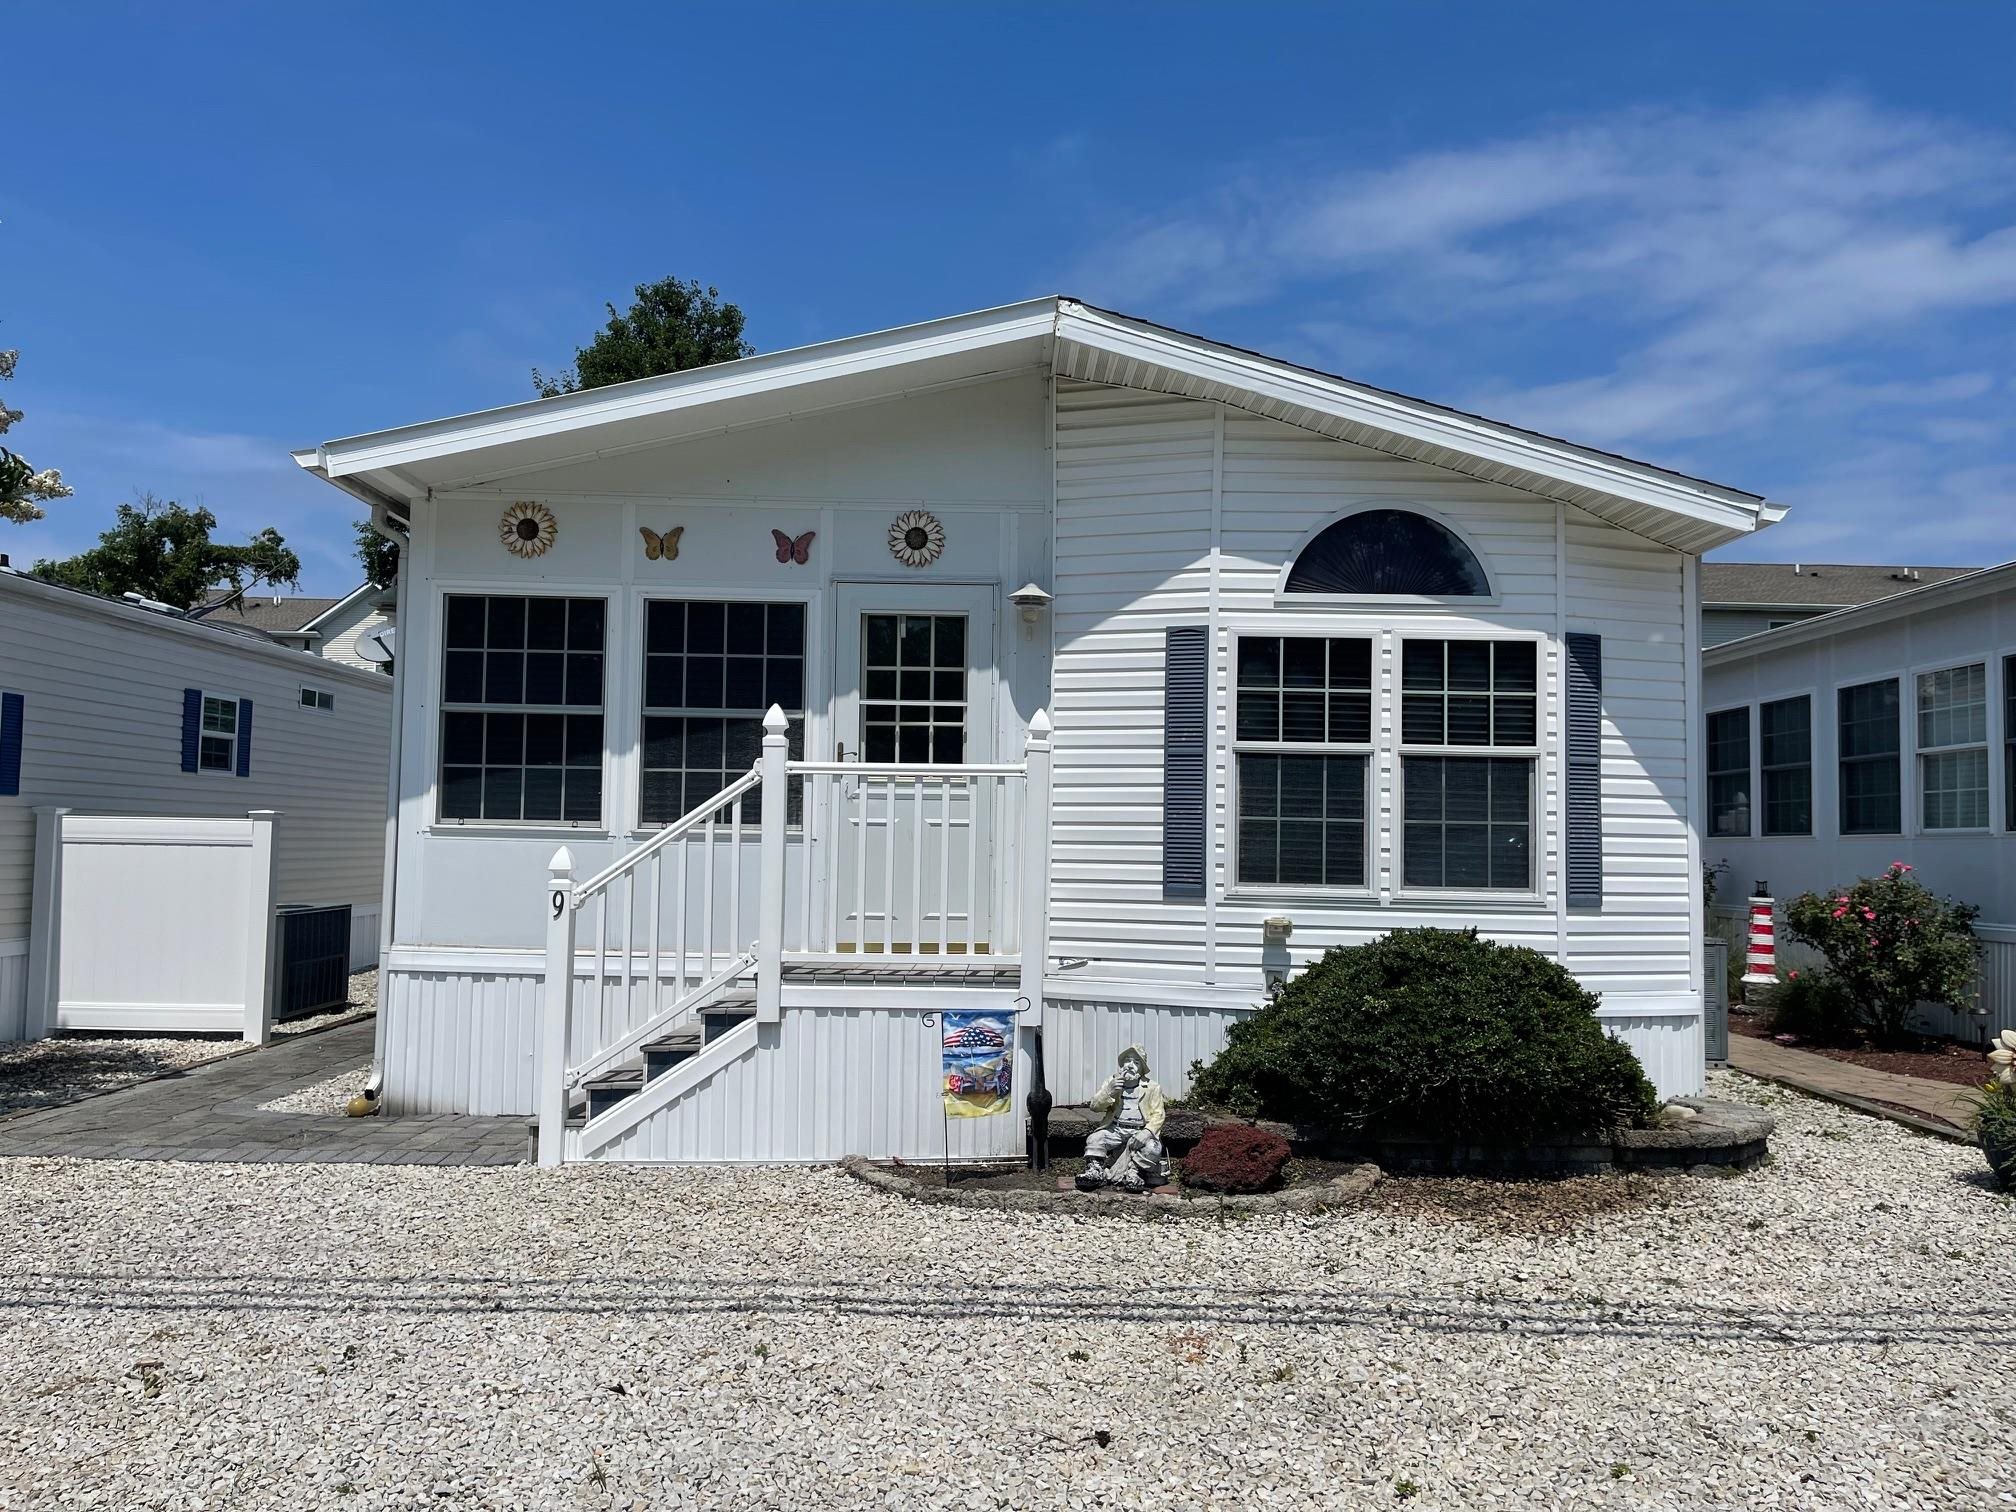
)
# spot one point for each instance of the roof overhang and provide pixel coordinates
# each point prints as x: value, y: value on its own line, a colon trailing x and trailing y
x: 1058, y: 335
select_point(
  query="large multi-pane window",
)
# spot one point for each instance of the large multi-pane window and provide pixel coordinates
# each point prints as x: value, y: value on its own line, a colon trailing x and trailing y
x: 712, y: 669
x: 1871, y: 776
x: 1467, y: 819
x: 1785, y: 729
x: 521, y: 709
x: 1953, y: 747
x: 1302, y: 741
x: 1729, y: 772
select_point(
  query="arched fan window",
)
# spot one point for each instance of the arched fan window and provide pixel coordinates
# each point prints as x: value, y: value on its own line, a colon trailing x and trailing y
x: 1389, y: 552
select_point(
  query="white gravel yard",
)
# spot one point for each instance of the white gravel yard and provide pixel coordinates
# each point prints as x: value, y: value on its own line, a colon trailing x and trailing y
x: 47, y: 1073
x: 1829, y: 1332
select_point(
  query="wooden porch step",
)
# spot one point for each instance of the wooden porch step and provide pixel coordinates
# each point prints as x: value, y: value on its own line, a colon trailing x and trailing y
x: 612, y: 1087
x: 716, y: 1019
x: 662, y: 1054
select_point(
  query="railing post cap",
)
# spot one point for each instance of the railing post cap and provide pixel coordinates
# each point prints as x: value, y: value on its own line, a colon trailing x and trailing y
x: 1039, y: 722
x: 774, y: 723
x: 562, y: 864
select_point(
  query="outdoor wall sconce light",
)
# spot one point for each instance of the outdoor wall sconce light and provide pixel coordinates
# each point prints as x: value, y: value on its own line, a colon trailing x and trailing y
x: 1031, y: 601
x: 1277, y: 929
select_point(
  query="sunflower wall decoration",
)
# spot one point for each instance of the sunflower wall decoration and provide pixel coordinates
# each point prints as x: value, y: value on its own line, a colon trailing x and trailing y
x: 528, y: 529
x: 916, y: 539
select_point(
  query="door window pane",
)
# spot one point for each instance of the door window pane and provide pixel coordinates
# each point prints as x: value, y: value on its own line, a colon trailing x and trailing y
x: 913, y: 687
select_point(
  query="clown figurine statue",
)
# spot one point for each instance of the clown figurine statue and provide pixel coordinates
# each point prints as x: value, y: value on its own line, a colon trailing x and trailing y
x: 1125, y: 1151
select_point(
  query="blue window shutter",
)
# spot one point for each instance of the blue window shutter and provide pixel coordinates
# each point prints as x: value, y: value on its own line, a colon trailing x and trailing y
x: 192, y: 726
x: 244, y: 737
x: 10, y: 745
x: 1585, y: 770
x: 1185, y: 727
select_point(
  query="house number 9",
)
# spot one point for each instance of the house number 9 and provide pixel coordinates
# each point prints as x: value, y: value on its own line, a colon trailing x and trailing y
x: 559, y: 902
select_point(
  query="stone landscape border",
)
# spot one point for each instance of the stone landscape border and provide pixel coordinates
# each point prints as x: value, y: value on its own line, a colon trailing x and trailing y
x: 1340, y: 1191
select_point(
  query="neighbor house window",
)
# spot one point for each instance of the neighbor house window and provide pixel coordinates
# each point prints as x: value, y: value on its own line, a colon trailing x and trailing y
x: 711, y: 670
x: 521, y: 709
x: 217, y: 746
x: 1785, y: 730
x: 1729, y: 772
x: 1467, y: 818
x: 1302, y: 742
x: 1871, y: 777
x: 317, y: 698
x: 2009, y: 742
x: 1953, y: 747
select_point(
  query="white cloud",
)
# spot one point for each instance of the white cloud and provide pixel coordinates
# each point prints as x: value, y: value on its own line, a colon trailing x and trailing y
x: 1770, y: 289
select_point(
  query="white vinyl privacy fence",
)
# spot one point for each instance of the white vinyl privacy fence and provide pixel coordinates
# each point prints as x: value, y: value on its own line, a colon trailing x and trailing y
x: 150, y: 923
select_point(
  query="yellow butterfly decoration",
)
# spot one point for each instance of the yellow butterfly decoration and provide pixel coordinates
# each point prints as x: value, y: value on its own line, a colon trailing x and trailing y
x: 657, y: 546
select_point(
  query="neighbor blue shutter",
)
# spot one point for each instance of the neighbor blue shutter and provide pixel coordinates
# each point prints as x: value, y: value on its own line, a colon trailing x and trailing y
x: 192, y: 726
x: 1585, y: 770
x: 1185, y: 723
x: 10, y: 745
x: 244, y: 737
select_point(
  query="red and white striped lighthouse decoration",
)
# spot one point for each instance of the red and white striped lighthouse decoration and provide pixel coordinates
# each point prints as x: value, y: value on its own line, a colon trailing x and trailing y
x: 1761, y: 956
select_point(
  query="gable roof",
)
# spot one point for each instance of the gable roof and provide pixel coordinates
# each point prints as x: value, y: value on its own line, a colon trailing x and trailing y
x: 1058, y: 335
x: 1969, y: 583
x: 269, y: 612
x: 1822, y: 585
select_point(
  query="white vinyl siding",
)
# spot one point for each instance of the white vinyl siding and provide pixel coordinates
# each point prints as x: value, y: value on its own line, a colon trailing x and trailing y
x: 104, y: 700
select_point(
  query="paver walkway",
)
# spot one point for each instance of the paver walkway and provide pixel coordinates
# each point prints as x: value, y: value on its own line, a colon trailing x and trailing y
x: 1942, y: 1101
x: 211, y: 1112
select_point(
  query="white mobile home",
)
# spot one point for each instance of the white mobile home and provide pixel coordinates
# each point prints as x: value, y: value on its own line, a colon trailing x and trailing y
x: 1310, y: 651
x: 1877, y: 734
x: 112, y: 708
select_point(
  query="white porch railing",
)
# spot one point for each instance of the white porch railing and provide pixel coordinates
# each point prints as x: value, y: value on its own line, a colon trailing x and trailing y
x: 940, y: 865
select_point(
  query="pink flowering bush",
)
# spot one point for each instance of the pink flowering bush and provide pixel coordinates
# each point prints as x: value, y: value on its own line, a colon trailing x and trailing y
x: 1891, y: 944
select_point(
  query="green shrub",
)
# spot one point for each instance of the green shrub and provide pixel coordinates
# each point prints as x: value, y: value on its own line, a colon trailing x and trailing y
x: 1891, y: 944
x: 1812, y: 1005
x: 1431, y: 1031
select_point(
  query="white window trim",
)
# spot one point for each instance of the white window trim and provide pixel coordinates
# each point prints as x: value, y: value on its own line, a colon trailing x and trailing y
x: 237, y: 703
x: 1384, y: 813
x: 1286, y: 600
x: 1907, y: 800
x: 2001, y: 735
x: 630, y: 769
x: 1920, y: 751
x: 1753, y: 757
x: 315, y: 699
x: 432, y: 709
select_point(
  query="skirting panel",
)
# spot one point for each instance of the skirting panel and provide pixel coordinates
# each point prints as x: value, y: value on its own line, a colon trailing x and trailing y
x: 363, y: 938
x: 13, y: 989
x: 1668, y: 1045
x: 1083, y: 1038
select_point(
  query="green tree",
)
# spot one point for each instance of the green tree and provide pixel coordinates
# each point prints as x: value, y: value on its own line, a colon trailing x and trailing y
x: 379, y: 556
x: 163, y: 550
x: 23, y: 490
x: 674, y: 324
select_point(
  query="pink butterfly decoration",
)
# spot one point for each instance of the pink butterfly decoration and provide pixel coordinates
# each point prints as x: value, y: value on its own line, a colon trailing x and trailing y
x: 799, y: 551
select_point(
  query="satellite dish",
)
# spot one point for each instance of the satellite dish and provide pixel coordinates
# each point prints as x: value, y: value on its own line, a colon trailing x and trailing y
x: 376, y: 646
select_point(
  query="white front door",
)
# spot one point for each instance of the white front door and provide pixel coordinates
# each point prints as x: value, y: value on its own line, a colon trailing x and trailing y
x: 910, y: 860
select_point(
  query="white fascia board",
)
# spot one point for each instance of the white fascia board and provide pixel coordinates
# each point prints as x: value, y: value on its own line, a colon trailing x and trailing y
x: 1862, y: 616
x: 643, y: 397
x: 1655, y: 488
x: 336, y: 608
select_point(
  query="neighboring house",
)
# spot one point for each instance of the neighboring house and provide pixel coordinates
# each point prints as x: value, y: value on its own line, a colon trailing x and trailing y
x: 1321, y: 660
x: 1877, y: 734
x: 326, y: 627
x: 1747, y: 598
x: 109, y: 707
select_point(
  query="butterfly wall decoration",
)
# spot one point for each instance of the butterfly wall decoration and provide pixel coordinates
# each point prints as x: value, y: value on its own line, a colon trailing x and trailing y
x: 790, y: 550
x: 657, y: 547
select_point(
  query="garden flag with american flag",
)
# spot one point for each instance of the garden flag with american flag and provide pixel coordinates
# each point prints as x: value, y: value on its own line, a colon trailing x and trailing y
x: 979, y: 1052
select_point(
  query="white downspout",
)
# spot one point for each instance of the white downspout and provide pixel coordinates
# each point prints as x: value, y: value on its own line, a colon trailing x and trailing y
x: 389, y: 888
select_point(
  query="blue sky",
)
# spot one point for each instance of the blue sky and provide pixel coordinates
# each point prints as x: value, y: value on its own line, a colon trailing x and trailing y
x: 1772, y: 245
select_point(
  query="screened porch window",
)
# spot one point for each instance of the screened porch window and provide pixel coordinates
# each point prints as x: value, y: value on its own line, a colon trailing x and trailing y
x: 1871, y: 778
x: 712, y: 668
x: 521, y: 709
x: 1467, y: 817
x: 2009, y: 742
x: 1786, y: 732
x: 1302, y: 744
x: 1729, y: 772
x: 1953, y: 747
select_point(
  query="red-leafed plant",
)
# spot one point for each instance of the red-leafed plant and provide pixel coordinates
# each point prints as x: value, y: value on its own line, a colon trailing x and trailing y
x: 1236, y: 1158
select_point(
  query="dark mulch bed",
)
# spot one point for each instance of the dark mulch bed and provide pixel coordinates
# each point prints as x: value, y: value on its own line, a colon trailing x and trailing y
x: 1018, y: 1178
x: 1523, y: 1207
x: 1925, y: 1057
